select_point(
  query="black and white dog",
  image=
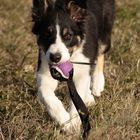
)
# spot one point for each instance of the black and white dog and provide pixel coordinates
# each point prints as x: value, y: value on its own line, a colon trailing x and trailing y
x: 78, y: 31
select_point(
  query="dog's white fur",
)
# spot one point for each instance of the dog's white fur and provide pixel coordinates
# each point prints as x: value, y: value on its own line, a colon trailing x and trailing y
x: 47, y: 85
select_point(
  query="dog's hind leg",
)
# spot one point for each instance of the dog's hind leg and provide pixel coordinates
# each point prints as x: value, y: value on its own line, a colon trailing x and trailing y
x: 98, y: 76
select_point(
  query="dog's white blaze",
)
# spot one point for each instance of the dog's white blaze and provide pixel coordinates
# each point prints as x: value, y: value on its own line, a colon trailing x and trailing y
x: 58, y: 47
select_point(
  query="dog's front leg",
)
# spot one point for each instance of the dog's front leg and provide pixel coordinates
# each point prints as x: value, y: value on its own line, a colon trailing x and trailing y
x: 82, y: 83
x: 46, y: 88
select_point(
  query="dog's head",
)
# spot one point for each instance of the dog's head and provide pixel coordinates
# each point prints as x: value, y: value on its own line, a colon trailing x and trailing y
x: 58, y: 35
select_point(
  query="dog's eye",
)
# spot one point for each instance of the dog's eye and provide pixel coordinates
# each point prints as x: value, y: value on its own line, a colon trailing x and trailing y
x: 67, y: 36
x: 50, y: 31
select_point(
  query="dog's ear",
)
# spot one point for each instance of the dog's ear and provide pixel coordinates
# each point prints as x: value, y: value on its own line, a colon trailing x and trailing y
x: 38, y: 12
x: 77, y: 13
x: 38, y: 9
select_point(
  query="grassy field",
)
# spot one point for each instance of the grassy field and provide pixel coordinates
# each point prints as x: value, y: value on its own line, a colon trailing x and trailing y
x: 116, y: 115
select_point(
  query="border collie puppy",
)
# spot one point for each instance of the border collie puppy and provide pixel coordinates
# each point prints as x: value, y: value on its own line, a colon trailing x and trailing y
x: 78, y: 31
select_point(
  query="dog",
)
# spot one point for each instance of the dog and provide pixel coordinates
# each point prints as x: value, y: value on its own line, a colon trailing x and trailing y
x: 78, y: 31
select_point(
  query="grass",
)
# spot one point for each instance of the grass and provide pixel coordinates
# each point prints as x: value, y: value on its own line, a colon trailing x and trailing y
x: 116, y: 115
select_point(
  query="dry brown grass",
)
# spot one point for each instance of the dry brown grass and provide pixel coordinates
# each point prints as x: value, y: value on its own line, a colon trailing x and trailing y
x: 116, y: 115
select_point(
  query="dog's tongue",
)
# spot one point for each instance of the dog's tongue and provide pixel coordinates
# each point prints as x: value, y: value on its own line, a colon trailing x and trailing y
x: 61, y: 71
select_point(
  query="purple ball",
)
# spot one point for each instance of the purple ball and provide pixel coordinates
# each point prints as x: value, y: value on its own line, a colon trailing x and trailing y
x: 63, y: 68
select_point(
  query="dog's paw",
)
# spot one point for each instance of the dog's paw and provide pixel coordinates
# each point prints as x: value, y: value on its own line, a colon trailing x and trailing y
x: 98, y: 83
x: 89, y: 101
x: 67, y: 128
x: 73, y: 126
x: 76, y: 123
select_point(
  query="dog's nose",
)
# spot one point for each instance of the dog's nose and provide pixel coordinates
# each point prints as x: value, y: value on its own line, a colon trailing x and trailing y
x: 55, y: 57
